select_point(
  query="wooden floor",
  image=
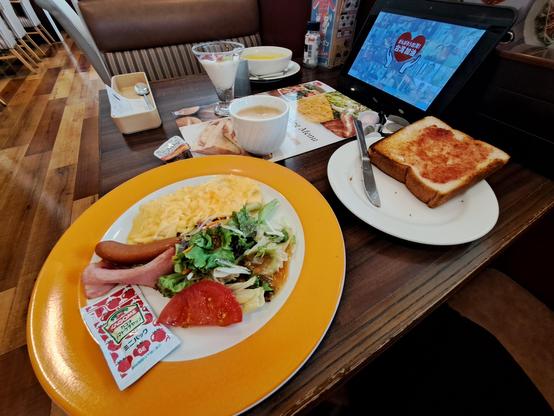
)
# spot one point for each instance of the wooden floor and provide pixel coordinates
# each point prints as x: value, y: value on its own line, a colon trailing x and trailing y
x: 48, y: 175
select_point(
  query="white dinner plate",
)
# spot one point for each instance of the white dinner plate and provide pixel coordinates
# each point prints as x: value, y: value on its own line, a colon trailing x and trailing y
x: 464, y: 218
x: 199, y: 342
x: 292, y: 69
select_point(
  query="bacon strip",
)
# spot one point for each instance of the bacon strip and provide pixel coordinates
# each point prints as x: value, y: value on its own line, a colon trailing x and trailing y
x: 349, y: 129
x: 99, y: 278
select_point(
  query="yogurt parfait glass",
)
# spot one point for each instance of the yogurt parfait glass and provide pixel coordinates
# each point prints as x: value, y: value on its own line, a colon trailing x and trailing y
x: 220, y: 60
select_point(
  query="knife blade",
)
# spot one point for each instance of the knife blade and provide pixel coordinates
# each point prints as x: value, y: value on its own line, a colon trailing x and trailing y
x: 370, y: 187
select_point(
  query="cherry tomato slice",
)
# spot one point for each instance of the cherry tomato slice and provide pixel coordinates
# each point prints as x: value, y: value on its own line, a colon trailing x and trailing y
x: 204, y: 303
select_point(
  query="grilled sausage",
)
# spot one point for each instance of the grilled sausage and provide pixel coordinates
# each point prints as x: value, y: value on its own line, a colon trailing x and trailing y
x: 120, y: 253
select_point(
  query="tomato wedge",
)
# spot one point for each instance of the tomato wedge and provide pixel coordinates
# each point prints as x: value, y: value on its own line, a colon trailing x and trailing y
x: 204, y: 303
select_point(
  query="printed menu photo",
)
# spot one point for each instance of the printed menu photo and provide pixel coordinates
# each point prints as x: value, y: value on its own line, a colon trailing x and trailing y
x: 319, y: 116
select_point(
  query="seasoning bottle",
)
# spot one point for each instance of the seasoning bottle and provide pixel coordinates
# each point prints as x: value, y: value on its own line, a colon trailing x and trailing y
x: 311, y: 45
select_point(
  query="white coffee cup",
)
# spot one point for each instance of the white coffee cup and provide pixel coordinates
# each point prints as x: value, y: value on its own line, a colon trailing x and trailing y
x: 260, y: 136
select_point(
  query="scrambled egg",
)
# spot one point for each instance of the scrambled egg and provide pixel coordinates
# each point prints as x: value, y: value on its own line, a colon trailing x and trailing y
x: 181, y: 211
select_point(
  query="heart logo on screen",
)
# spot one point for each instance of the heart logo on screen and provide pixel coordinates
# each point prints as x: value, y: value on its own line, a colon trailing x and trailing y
x: 406, y: 47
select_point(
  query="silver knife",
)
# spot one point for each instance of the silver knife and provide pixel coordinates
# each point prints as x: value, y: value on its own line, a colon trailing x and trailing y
x: 369, y: 181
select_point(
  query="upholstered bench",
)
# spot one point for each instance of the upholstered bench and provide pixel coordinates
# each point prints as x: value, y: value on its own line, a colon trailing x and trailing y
x: 157, y: 36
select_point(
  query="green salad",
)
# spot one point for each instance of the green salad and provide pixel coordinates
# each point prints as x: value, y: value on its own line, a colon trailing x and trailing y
x: 245, y: 252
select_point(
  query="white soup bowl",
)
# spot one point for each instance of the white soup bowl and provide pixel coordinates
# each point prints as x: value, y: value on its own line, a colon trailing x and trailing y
x: 266, y: 66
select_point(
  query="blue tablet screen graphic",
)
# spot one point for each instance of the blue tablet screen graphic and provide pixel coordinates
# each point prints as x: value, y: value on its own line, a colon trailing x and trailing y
x: 412, y: 58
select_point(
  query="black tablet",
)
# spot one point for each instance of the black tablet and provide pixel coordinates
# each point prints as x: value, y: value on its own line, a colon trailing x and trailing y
x: 413, y: 56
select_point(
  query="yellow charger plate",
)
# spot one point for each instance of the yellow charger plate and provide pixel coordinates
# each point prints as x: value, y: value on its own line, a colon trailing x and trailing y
x: 70, y: 365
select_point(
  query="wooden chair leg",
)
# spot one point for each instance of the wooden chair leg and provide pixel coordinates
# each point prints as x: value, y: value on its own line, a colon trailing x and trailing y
x: 30, y: 51
x: 43, y: 36
x: 30, y: 39
x: 47, y: 33
x: 23, y: 53
x: 23, y: 60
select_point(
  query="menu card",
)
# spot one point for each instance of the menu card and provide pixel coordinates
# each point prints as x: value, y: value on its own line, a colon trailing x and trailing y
x: 319, y: 116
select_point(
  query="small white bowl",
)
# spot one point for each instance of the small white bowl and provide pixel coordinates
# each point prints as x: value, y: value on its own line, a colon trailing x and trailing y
x: 267, y: 66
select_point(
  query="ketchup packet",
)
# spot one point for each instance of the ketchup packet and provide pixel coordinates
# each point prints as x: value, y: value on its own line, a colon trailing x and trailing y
x: 129, y: 335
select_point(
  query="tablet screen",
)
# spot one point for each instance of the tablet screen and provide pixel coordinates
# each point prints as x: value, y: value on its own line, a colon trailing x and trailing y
x: 412, y: 58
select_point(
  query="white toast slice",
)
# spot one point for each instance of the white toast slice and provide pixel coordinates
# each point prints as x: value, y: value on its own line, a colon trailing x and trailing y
x: 435, y: 161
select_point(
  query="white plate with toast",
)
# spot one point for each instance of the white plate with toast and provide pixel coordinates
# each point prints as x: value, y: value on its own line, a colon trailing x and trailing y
x: 466, y: 217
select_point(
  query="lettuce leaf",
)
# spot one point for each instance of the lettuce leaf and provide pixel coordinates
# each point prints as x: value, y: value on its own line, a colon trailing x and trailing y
x: 221, y: 254
x: 205, y: 260
x: 245, y: 222
x: 172, y: 284
x: 226, y: 236
x: 267, y: 287
x: 267, y: 211
x: 201, y: 239
x: 198, y: 257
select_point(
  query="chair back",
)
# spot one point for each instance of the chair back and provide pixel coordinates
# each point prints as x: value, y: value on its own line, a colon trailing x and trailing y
x: 75, y: 28
x: 30, y: 12
x: 8, y: 13
x: 6, y: 35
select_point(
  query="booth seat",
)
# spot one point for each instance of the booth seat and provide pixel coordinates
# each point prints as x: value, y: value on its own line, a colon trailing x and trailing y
x: 157, y: 36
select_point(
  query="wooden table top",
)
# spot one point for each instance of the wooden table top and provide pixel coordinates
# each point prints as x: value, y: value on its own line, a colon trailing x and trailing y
x: 390, y: 284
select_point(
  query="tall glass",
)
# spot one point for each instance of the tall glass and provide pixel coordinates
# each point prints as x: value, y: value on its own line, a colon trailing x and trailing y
x: 220, y: 60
